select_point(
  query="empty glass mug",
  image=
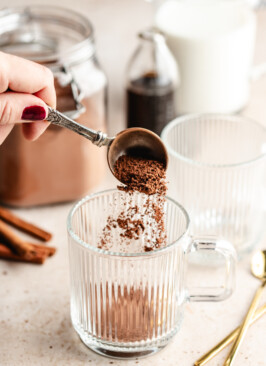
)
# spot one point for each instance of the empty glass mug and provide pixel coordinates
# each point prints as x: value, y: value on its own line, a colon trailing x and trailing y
x: 126, y: 305
x: 217, y: 170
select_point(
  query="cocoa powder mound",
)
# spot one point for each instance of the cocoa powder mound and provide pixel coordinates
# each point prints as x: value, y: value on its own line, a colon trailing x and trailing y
x: 142, y: 175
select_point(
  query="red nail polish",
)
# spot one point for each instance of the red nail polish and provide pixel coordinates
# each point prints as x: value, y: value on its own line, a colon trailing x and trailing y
x: 34, y: 113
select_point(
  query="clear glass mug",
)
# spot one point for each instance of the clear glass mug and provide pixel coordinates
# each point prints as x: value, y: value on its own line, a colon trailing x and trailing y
x: 217, y: 170
x: 126, y: 305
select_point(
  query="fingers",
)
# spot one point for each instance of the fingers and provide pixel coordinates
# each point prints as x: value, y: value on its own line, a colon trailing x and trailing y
x: 34, y: 87
x: 25, y: 76
x: 21, y: 107
x: 33, y: 130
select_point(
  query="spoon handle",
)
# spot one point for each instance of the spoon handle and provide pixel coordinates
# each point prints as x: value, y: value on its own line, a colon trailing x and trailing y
x: 245, y: 325
x: 227, y: 340
x: 96, y: 137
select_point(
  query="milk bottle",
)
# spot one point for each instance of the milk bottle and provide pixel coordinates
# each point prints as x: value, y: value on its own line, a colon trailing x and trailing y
x: 213, y: 43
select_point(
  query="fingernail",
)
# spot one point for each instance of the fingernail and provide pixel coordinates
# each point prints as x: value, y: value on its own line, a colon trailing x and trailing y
x: 34, y: 113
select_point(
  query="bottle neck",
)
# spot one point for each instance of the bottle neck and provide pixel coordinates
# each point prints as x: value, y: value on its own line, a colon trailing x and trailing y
x: 152, y: 66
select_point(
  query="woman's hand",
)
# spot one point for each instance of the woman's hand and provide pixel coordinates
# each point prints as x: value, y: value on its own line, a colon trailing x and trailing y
x: 25, y: 89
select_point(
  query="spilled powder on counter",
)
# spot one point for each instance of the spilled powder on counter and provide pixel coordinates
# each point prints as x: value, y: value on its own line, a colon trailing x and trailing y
x: 138, y: 225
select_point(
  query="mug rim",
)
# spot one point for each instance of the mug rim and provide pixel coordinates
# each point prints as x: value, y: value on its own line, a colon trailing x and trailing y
x: 151, y: 253
x: 231, y: 118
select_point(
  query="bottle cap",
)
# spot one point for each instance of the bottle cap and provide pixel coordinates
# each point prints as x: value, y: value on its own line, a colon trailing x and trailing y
x: 152, y: 34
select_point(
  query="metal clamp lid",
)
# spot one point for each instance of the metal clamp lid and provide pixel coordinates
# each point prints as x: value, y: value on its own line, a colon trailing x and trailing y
x: 65, y: 77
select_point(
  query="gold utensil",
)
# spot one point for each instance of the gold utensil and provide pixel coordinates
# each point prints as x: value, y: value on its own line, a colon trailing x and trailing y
x: 227, y: 340
x: 258, y: 269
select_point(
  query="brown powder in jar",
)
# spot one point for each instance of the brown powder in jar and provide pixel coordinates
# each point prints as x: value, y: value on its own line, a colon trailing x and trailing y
x: 36, y: 173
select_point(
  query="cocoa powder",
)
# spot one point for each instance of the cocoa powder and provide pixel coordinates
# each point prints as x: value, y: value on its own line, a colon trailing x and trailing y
x: 142, y: 175
x: 146, y: 177
x: 134, y: 223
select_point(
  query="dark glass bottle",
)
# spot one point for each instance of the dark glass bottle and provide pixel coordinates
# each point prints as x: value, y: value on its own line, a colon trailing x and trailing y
x: 151, y: 84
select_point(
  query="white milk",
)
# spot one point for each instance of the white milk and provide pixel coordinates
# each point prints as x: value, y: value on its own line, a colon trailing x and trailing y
x: 213, y: 43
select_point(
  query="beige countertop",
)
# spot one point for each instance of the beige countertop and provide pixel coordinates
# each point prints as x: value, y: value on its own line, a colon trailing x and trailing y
x: 35, y: 327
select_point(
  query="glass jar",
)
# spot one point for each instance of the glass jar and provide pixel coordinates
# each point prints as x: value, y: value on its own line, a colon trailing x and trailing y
x: 152, y: 79
x: 60, y: 165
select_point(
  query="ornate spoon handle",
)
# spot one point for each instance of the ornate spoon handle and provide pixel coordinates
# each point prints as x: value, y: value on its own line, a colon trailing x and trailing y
x: 96, y: 137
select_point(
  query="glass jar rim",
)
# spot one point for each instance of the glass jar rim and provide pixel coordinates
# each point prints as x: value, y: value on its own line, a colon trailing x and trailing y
x: 88, y: 246
x: 11, y: 19
x: 179, y: 120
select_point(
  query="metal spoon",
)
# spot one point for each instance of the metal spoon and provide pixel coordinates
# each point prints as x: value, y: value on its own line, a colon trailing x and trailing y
x: 258, y: 269
x: 227, y: 340
x: 132, y: 141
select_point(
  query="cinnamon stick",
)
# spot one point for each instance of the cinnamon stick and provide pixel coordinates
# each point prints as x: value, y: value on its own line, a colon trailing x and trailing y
x: 50, y: 251
x: 37, y: 257
x: 18, y: 245
x: 23, y: 225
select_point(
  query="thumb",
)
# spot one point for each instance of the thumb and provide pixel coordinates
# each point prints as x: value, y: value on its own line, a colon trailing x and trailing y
x: 21, y: 107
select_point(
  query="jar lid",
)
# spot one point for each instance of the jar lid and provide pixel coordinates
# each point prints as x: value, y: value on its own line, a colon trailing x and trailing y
x: 46, y: 34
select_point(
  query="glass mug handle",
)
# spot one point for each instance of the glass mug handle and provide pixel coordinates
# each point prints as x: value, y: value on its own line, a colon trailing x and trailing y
x: 226, y: 249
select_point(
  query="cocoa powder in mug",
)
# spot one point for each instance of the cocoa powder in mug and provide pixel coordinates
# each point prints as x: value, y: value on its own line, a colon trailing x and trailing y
x: 133, y: 313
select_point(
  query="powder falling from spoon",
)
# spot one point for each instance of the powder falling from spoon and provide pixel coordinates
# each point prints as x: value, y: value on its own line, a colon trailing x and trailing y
x: 140, y: 223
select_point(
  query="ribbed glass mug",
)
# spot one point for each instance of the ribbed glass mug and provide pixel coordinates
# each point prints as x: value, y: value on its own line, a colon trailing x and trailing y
x: 217, y: 170
x: 126, y: 305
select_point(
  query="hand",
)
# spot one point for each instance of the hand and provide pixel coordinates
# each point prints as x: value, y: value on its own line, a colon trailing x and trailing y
x: 26, y: 88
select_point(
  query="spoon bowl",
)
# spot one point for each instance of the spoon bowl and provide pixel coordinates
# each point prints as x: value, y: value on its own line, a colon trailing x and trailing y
x: 137, y: 142
x: 258, y: 264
